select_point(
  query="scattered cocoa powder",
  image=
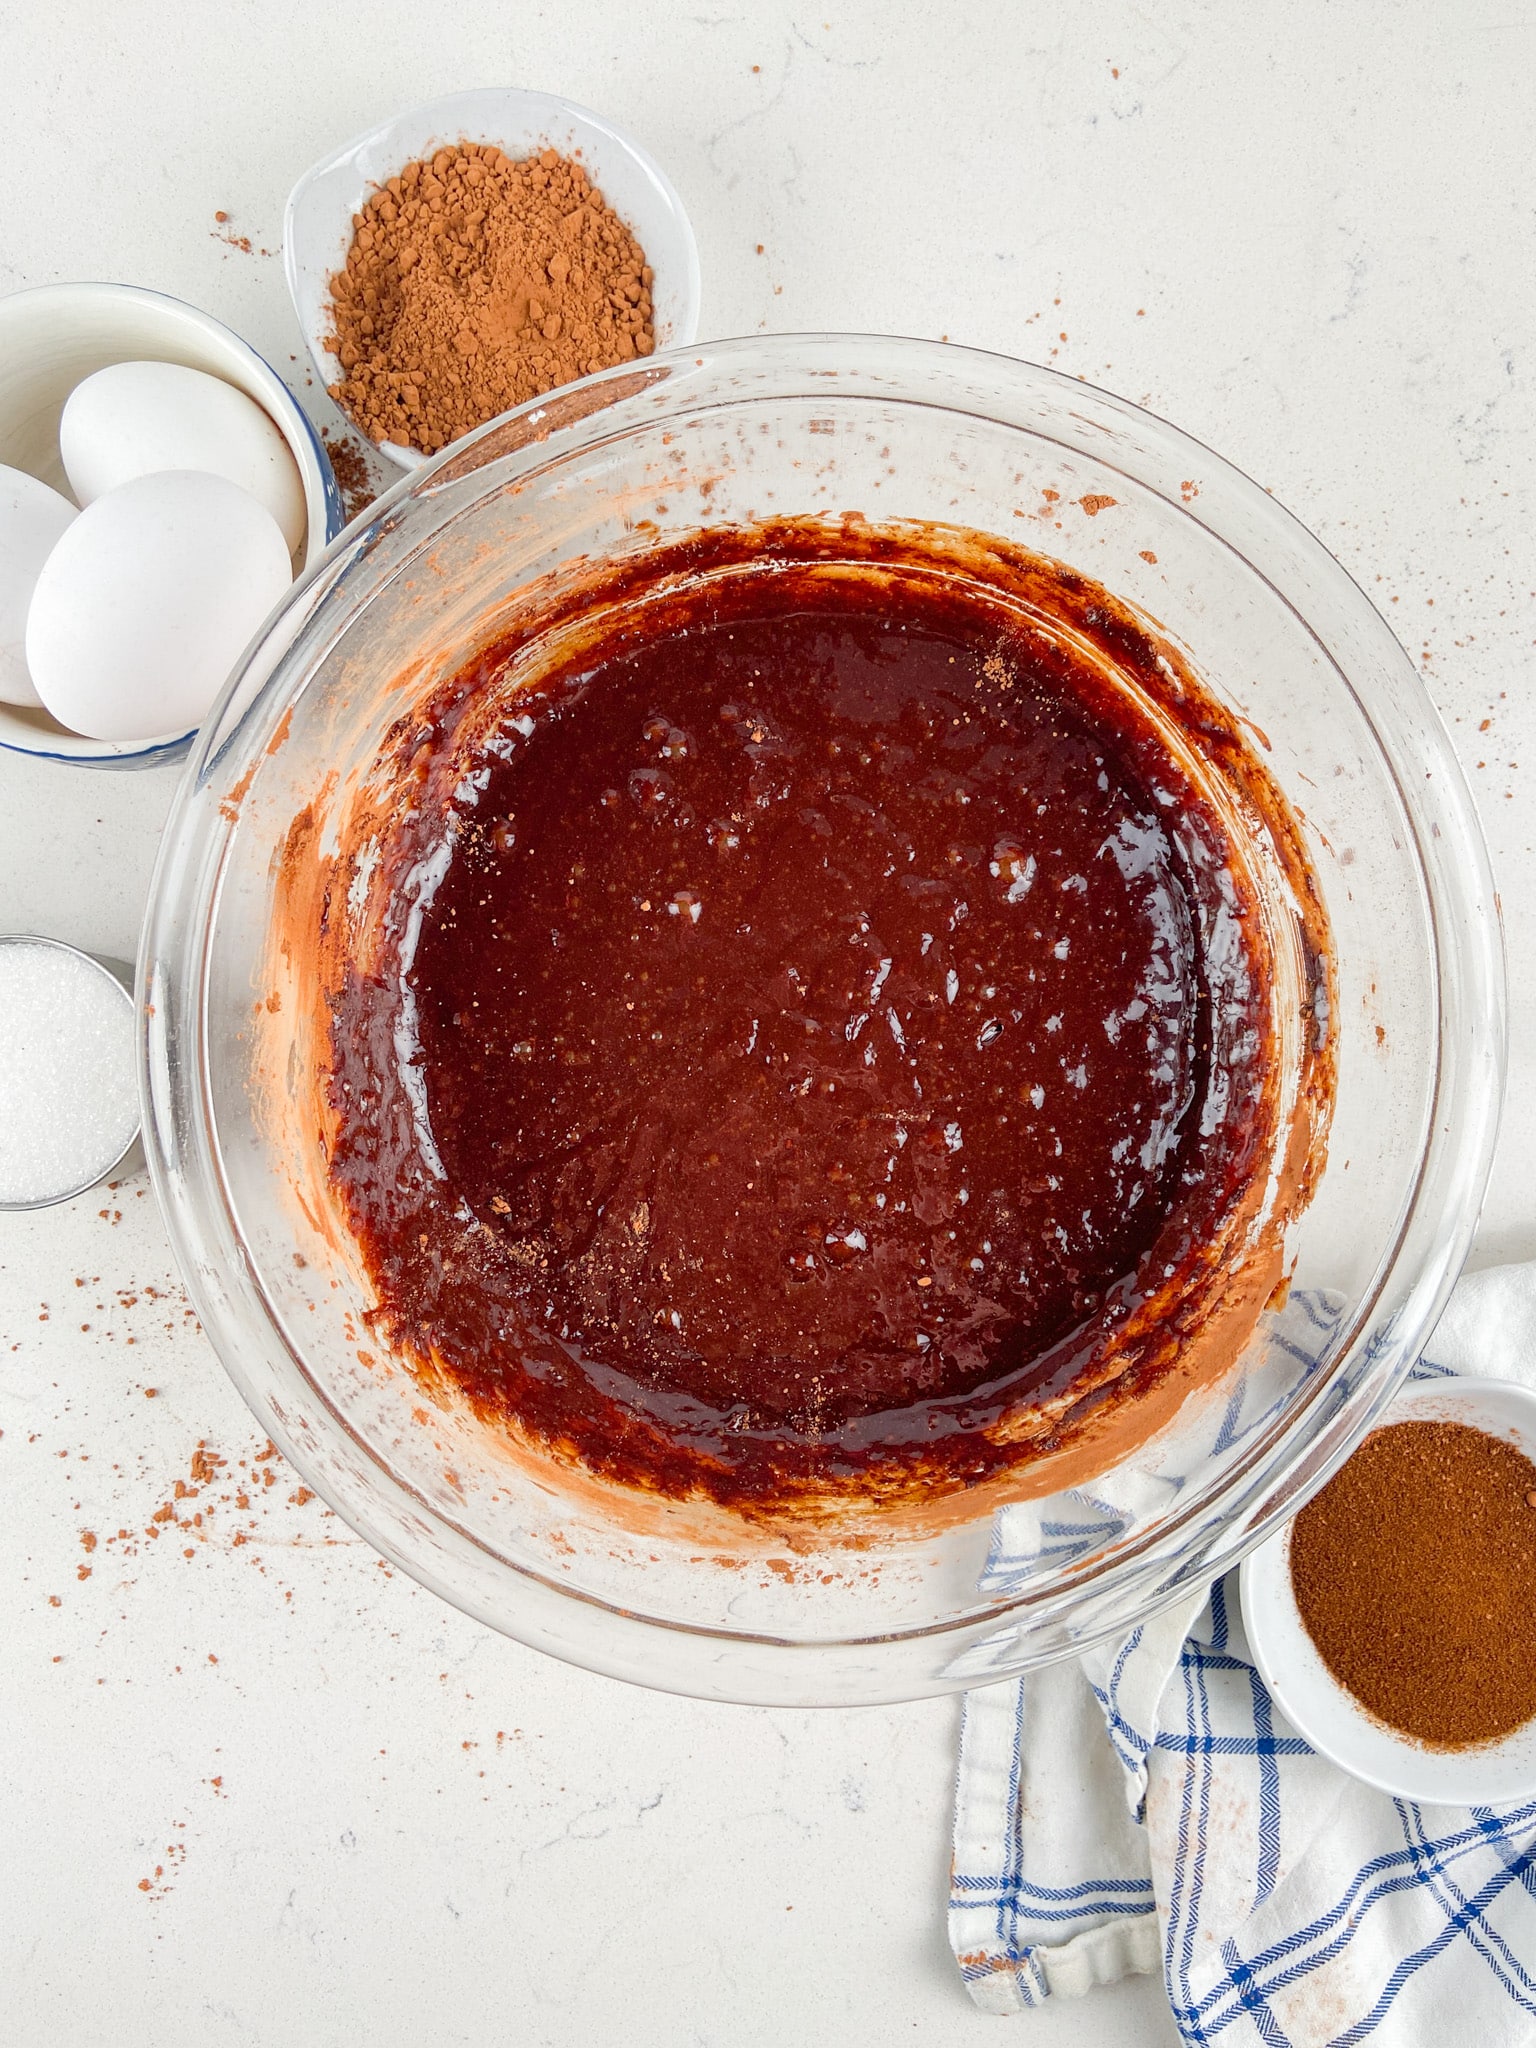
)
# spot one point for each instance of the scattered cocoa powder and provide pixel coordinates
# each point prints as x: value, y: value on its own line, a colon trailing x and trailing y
x: 475, y: 283
x: 221, y: 231
x: 205, y: 1464
x: 354, y: 479
x: 1415, y: 1574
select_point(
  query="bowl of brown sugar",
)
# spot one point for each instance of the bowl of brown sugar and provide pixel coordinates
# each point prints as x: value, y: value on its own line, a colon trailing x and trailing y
x: 476, y: 253
x: 1394, y: 1620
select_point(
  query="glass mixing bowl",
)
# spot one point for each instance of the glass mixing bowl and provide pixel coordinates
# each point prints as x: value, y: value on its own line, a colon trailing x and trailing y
x: 897, y: 429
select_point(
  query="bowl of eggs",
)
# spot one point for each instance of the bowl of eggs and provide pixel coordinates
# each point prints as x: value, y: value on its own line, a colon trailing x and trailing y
x: 160, y: 489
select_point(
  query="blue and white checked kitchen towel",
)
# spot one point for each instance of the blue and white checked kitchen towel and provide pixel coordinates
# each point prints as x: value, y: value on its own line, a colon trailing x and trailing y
x: 1146, y: 1806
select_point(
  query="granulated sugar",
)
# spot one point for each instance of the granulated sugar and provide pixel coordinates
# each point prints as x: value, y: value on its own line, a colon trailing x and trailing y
x: 68, y: 1101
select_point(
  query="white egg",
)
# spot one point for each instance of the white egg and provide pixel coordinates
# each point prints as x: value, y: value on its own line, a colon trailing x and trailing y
x: 142, y: 608
x: 132, y: 419
x: 32, y: 521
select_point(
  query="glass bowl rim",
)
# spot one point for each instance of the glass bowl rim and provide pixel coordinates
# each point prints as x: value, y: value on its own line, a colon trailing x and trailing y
x: 1280, y: 1473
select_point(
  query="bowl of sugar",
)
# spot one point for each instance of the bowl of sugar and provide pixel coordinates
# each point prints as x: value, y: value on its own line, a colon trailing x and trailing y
x: 69, y: 1107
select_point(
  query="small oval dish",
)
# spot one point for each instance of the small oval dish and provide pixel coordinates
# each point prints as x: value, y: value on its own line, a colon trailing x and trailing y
x: 317, y: 226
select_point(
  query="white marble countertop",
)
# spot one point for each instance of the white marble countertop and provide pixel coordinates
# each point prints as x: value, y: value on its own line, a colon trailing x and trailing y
x: 271, y: 1791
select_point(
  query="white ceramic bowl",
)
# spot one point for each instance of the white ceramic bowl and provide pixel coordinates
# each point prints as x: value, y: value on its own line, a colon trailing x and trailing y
x: 53, y: 336
x: 317, y: 227
x: 1312, y: 1699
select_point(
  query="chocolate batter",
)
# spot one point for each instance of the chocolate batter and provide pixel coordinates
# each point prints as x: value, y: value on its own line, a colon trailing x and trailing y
x: 821, y: 1031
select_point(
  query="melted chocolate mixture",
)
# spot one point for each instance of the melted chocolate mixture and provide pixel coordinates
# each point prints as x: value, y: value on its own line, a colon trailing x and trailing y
x: 802, y: 1047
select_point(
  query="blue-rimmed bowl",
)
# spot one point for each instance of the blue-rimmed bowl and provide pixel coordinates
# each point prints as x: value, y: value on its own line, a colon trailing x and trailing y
x: 54, y: 335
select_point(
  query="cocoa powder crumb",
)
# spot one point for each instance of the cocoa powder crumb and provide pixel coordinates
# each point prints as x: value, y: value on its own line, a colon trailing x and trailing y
x: 222, y: 232
x: 354, y: 479
x: 205, y: 1463
x: 474, y: 284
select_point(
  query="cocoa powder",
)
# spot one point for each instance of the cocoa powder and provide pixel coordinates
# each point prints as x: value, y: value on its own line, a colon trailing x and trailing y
x: 475, y: 283
x: 1415, y: 1574
x: 354, y: 479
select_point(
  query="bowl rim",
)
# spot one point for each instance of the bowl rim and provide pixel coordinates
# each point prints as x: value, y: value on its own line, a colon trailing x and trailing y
x: 1459, y: 1127
x: 1264, y: 1583
x: 303, y: 442
x: 551, y: 105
